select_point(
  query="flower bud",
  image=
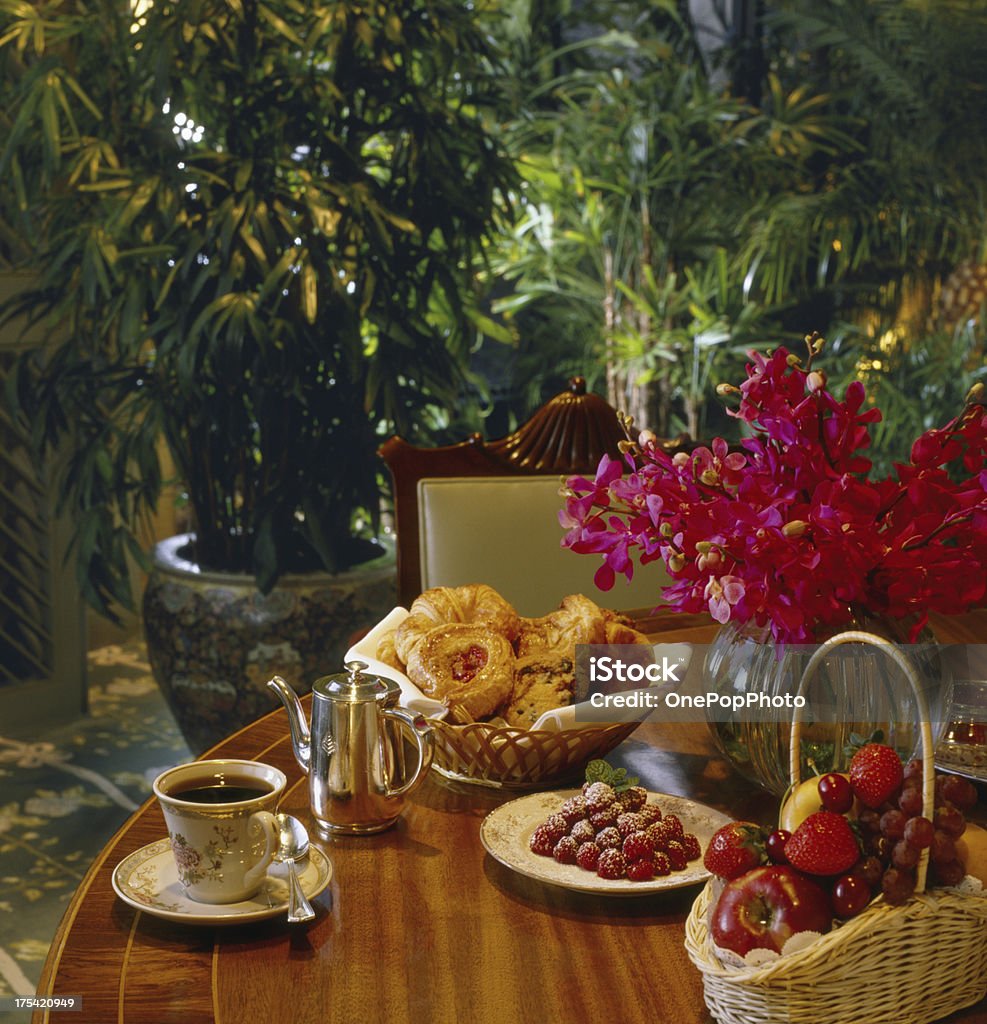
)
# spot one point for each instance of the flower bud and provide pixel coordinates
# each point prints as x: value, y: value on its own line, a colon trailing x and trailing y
x: 816, y: 381
x: 727, y: 389
x: 677, y: 562
x: 647, y: 438
x: 666, y: 530
x: 704, y: 546
x: 626, y: 446
x: 815, y: 341
x: 795, y: 528
x: 977, y: 395
x: 793, y: 359
x: 681, y: 459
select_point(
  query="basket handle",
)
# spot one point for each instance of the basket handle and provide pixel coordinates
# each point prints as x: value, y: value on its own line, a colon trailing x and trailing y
x: 894, y: 652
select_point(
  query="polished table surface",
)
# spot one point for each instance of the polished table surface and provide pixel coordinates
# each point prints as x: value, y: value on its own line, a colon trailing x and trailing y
x: 418, y: 923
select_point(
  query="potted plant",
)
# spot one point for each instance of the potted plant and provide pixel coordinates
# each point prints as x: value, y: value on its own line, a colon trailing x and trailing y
x: 246, y: 215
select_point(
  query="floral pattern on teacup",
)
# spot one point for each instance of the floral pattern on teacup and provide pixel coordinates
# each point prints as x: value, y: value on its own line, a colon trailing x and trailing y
x: 196, y: 865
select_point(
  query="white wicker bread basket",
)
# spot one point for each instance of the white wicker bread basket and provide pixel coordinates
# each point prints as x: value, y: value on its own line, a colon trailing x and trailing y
x: 911, y: 964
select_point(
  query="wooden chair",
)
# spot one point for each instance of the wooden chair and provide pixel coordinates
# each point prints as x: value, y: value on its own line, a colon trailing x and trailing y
x: 487, y: 511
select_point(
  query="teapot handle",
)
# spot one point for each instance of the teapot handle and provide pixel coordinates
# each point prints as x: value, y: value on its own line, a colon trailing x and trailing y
x: 424, y: 738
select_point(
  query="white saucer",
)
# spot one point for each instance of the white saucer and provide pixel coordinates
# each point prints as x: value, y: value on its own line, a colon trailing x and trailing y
x: 148, y: 881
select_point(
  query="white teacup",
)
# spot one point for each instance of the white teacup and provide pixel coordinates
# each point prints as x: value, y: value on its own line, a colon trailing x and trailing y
x: 220, y: 818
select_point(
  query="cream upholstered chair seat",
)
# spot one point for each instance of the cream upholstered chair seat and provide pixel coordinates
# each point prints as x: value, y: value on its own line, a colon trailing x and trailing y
x: 504, y: 531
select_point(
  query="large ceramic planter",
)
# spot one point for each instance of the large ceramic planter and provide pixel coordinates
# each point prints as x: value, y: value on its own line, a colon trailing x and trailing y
x: 214, y: 640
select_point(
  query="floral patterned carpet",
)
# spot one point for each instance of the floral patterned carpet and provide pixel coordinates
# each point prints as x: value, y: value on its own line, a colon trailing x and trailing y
x: 64, y: 792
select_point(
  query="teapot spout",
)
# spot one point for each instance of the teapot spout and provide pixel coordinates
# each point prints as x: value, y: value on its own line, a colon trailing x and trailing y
x: 301, y: 742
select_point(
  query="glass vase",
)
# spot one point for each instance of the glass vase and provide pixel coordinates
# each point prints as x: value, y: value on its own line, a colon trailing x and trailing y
x: 865, y: 695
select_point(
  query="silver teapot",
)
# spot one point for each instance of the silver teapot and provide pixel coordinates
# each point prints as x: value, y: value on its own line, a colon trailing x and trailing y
x: 355, y: 754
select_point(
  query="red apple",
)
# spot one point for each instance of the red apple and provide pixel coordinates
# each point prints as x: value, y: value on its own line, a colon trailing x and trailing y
x: 766, y: 906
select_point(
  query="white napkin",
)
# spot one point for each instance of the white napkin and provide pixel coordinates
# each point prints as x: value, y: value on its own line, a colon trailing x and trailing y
x: 575, y: 716
x: 366, y: 650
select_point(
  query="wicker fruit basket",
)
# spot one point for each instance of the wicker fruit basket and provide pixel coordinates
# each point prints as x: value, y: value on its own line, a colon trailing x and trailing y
x: 910, y: 964
x: 493, y: 755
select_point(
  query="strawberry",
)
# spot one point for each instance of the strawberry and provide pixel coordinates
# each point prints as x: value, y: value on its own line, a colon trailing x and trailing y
x: 542, y: 841
x: 587, y: 856
x: 583, y: 832
x: 637, y: 846
x: 597, y: 796
x: 735, y: 849
x: 574, y: 809
x: 650, y: 813
x: 676, y: 854
x: 565, y: 850
x: 673, y: 825
x: 609, y: 838
x: 605, y: 817
x: 630, y: 822
x: 633, y: 799
x: 875, y: 774
x: 641, y: 870
x: 824, y: 844
x: 611, y: 864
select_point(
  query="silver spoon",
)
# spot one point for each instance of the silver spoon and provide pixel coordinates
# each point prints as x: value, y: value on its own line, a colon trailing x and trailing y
x: 293, y: 844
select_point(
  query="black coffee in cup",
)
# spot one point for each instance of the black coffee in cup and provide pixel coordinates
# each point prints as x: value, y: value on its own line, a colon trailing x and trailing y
x: 220, y: 791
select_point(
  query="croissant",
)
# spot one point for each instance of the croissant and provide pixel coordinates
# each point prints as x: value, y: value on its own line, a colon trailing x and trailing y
x: 578, y: 620
x: 386, y: 653
x: 475, y: 603
x: 465, y: 664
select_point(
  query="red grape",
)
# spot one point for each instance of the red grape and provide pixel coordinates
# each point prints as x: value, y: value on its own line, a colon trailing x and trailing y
x: 919, y: 832
x: 871, y: 869
x: 897, y: 885
x: 870, y: 821
x: 949, y: 819
x: 836, y: 793
x: 910, y: 799
x: 943, y: 849
x: 903, y: 855
x: 893, y: 824
x: 913, y: 770
x: 850, y: 895
x: 954, y: 789
x: 950, y: 873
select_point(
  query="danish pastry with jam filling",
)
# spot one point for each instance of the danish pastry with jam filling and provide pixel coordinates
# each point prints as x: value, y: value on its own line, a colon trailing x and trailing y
x: 465, y: 665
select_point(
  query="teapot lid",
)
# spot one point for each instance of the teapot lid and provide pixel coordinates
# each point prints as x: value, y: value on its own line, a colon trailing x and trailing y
x: 356, y: 685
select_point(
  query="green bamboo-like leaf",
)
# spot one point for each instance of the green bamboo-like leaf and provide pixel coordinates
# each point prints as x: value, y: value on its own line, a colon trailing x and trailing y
x: 310, y: 292
x: 106, y: 185
x: 251, y: 242
x: 243, y: 175
x: 141, y: 196
x: 280, y: 24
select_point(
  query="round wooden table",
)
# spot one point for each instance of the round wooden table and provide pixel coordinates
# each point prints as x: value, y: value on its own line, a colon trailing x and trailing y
x: 419, y: 923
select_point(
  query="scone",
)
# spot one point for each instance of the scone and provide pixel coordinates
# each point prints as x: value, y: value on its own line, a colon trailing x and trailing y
x: 542, y: 682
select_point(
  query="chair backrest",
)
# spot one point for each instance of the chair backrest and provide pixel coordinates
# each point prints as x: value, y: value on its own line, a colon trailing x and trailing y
x: 504, y: 531
x: 487, y: 511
